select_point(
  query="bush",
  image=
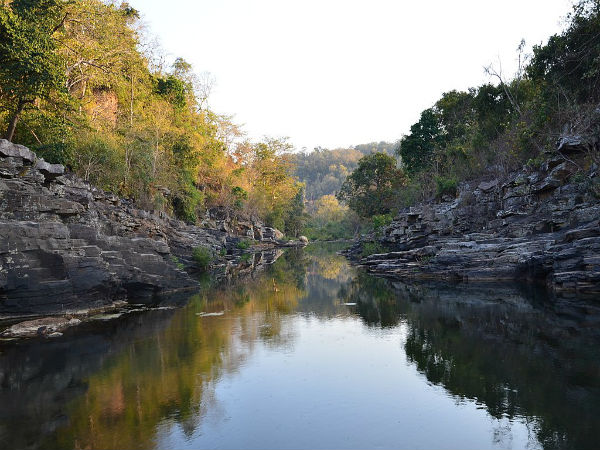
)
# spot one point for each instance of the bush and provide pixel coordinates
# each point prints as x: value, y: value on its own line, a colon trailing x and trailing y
x: 446, y: 186
x: 381, y: 220
x: 243, y: 245
x: 203, y: 257
x: 371, y: 248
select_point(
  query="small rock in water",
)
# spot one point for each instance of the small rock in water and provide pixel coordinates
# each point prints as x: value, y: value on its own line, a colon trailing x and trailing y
x: 106, y: 316
x: 205, y: 314
x: 46, y: 326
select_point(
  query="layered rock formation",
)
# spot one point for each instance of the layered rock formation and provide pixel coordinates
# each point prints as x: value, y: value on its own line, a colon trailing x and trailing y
x: 66, y: 245
x: 537, y: 224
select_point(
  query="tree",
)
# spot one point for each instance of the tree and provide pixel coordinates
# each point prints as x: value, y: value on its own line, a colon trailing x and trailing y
x: 418, y: 148
x: 295, y: 217
x: 371, y: 188
x: 31, y: 67
x: 328, y: 209
x: 570, y: 61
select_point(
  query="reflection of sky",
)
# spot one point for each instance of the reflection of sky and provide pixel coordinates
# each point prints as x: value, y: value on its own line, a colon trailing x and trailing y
x: 282, y: 362
x: 340, y: 385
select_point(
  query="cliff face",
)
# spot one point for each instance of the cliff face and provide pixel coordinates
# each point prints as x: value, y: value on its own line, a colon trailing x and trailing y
x: 533, y: 225
x: 66, y: 245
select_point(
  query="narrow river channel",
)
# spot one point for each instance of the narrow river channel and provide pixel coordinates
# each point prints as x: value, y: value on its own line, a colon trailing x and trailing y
x: 313, y: 353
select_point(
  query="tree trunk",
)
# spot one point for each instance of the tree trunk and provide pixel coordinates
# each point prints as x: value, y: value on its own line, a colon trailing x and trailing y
x: 15, y: 119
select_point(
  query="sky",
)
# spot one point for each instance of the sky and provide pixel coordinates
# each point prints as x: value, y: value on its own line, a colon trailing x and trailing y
x: 335, y: 73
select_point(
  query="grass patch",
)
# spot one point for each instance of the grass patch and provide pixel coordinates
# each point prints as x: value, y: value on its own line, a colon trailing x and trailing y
x: 371, y: 248
x: 178, y: 263
x: 243, y: 245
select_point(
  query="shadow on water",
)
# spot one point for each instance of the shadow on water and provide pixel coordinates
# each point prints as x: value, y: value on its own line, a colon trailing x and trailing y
x: 518, y: 354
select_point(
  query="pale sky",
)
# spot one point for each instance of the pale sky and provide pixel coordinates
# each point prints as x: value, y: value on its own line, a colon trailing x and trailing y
x: 336, y: 73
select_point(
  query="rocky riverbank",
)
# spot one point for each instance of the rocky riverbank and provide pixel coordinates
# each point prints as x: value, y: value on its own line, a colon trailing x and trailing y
x: 68, y: 247
x: 537, y: 225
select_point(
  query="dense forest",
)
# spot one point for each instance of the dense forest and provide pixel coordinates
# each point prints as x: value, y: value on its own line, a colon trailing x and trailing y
x: 323, y: 171
x: 82, y: 85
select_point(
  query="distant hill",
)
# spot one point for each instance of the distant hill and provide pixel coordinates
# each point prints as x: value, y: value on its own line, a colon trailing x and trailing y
x: 323, y: 170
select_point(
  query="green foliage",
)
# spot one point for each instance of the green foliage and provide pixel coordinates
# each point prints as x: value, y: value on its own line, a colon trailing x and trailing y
x: 331, y: 231
x: 203, y: 257
x: 417, y: 148
x: 381, y: 220
x: 329, y: 220
x: 187, y: 203
x: 570, y: 61
x: 372, y: 248
x: 295, y: 218
x: 173, y: 89
x: 31, y: 67
x: 243, y: 245
x: 498, y: 128
x: 177, y: 263
x: 446, y: 186
x: 371, y: 188
x: 104, y: 111
x: 323, y: 171
x: 240, y: 194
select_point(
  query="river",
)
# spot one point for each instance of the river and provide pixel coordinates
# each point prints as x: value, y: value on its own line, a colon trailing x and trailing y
x: 314, y: 353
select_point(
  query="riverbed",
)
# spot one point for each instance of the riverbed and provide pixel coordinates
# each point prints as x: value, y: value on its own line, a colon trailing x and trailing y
x: 315, y: 353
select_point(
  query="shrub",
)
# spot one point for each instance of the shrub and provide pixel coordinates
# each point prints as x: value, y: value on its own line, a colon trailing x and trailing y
x: 178, y: 263
x: 203, y: 257
x: 371, y: 248
x: 381, y: 220
x: 243, y: 245
x: 446, y: 186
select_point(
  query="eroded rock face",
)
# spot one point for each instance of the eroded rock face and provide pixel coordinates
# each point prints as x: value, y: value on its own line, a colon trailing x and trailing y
x: 534, y: 225
x: 66, y: 245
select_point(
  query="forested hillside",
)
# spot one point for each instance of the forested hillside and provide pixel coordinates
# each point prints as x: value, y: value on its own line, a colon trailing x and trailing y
x: 81, y: 86
x: 490, y: 130
x: 323, y: 171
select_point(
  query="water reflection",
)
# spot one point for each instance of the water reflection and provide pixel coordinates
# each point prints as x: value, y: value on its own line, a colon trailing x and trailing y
x: 516, y: 351
x: 515, y: 368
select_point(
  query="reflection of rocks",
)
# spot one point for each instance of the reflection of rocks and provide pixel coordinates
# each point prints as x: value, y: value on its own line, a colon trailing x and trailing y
x: 533, y: 225
x: 39, y: 379
x: 83, y: 387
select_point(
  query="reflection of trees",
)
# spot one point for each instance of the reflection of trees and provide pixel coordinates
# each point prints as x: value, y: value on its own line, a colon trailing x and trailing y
x: 325, y: 272
x: 147, y: 372
x: 162, y: 377
x: 150, y: 371
x: 492, y: 345
x: 375, y: 302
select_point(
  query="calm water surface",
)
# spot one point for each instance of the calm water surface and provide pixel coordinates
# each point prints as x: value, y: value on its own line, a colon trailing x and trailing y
x: 312, y: 353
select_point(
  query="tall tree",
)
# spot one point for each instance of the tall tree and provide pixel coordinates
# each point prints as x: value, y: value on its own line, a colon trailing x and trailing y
x: 30, y: 67
x: 418, y: 148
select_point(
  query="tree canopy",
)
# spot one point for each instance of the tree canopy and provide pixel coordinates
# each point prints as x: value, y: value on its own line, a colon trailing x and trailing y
x: 81, y: 85
x: 371, y: 188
